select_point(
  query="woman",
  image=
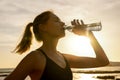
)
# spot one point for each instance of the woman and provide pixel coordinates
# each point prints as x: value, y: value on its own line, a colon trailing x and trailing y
x: 46, y: 63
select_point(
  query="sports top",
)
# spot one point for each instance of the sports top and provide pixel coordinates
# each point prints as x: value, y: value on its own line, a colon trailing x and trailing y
x: 53, y: 71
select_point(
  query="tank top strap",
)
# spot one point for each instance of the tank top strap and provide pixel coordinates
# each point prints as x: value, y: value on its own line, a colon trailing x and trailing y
x: 48, y: 57
x: 42, y: 52
x: 65, y: 60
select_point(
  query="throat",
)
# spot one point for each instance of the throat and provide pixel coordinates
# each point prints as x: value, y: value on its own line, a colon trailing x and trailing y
x: 50, y: 44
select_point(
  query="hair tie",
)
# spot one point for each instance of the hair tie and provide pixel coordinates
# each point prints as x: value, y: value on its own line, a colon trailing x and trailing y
x: 30, y: 24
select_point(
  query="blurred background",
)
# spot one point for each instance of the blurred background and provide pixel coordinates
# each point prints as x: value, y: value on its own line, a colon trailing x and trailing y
x: 15, y: 14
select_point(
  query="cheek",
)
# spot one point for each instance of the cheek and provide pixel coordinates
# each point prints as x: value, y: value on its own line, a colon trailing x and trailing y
x: 54, y: 32
x: 53, y: 28
x: 50, y: 31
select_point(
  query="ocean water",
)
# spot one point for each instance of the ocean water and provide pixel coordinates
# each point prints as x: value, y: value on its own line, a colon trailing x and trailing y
x: 102, y: 73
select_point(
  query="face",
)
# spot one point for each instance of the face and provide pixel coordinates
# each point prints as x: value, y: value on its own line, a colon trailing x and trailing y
x: 54, y: 27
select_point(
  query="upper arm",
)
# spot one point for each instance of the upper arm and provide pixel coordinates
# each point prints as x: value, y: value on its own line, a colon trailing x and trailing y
x: 24, y: 68
x: 82, y: 62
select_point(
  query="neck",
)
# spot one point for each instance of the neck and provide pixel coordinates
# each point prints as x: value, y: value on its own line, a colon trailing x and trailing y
x: 49, y: 45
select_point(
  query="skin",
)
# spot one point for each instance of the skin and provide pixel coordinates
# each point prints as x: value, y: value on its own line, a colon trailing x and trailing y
x: 34, y: 63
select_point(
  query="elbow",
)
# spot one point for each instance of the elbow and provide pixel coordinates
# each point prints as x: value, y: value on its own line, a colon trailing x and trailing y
x: 105, y: 62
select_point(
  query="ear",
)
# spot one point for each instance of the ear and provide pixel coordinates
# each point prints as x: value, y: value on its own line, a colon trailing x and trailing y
x: 42, y: 27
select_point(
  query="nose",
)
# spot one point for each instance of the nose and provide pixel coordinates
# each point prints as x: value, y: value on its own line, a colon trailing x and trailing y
x: 62, y: 23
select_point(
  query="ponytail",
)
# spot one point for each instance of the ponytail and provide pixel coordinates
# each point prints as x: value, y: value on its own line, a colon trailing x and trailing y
x: 25, y: 43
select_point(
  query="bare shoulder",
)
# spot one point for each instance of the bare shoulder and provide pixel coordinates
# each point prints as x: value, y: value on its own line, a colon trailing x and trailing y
x: 34, y: 55
x: 31, y: 62
x: 37, y: 58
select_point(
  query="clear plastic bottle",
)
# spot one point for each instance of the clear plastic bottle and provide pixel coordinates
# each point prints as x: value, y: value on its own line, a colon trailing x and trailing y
x: 90, y: 27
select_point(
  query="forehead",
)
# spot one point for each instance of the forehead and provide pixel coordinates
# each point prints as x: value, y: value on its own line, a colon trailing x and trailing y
x: 53, y: 16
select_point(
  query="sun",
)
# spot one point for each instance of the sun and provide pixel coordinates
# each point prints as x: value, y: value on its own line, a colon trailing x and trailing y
x: 76, y: 45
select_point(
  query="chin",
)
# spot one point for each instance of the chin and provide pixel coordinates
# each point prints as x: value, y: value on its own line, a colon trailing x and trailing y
x: 61, y: 36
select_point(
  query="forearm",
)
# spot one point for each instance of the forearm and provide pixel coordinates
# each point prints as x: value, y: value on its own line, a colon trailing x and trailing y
x: 100, y: 54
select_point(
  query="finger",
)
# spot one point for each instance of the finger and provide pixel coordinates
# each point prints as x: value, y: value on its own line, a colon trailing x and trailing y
x: 82, y: 22
x: 78, y: 22
x: 73, y: 22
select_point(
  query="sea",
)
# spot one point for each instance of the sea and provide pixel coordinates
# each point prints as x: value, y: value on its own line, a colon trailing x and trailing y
x: 100, y: 73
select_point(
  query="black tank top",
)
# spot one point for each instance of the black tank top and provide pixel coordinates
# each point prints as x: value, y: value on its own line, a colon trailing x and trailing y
x: 53, y: 71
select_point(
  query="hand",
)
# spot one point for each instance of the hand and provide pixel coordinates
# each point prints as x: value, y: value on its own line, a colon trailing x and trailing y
x: 79, y: 27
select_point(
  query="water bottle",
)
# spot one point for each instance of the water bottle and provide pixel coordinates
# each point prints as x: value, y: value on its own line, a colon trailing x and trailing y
x: 90, y: 27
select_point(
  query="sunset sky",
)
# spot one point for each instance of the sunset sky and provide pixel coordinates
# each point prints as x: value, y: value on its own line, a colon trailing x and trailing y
x: 15, y: 14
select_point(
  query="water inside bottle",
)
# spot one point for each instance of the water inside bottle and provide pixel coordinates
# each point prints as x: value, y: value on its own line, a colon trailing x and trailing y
x: 90, y: 27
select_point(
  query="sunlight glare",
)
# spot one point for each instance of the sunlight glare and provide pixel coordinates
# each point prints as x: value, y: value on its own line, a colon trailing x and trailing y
x: 78, y: 45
